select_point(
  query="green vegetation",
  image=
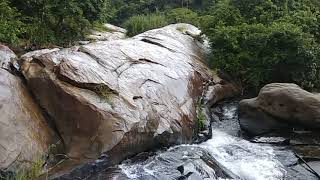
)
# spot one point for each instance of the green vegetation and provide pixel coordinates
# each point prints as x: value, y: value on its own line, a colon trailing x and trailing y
x: 264, y: 41
x: 127, y: 8
x: 10, y: 25
x: 202, y: 119
x: 182, y: 15
x: 141, y: 23
x: 100, y: 27
x: 104, y: 92
x: 42, y: 23
x: 32, y: 173
x: 259, y: 54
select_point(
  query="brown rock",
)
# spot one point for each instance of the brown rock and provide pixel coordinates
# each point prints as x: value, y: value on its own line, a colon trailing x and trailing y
x: 280, y: 103
x: 221, y: 91
x: 24, y: 134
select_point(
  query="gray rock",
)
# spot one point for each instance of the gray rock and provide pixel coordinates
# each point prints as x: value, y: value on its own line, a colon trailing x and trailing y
x: 115, y: 28
x: 105, y: 36
x: 7, y: 57
x: 112, y: 33
x: 279, y: 105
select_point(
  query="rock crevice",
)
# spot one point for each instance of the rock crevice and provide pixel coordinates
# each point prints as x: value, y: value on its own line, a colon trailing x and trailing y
x: 24, y: 133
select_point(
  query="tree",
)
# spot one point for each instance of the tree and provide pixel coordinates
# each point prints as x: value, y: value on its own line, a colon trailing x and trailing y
x: 60, y: 21
x: 260, y: 47
x: 182, y: 15
x: 11, y: 28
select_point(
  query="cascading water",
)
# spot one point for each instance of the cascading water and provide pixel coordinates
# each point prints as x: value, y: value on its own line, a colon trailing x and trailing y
x: 241, y: 158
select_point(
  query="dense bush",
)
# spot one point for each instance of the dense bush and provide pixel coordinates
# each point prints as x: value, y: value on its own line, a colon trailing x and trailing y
x: 41, y: 22
x: 263, y: 41
x: 141, y: 23
x: 10, y: 25
x: 259, y: 54
x: 128, y: 8
x: 182, y: 15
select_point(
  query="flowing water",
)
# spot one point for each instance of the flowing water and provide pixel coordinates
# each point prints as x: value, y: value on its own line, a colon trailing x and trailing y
x: 226, y: 155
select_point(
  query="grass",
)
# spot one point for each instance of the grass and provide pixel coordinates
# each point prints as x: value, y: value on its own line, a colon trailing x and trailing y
x: 141, y: 23
x: 104, y: 92
x: 214, y: 71
x: 33, y: 173
x: 182, y: 29
x: 100, y: 27
x: 201, y: 117
x: 201, y: 120
x: 38, y: 167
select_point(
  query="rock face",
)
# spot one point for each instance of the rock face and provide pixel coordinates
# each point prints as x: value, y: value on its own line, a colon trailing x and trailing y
x: 24, y: 134
x: 7, y: 57
x: 122, y: 96
x: 279, y: 105
x: 111, y: 33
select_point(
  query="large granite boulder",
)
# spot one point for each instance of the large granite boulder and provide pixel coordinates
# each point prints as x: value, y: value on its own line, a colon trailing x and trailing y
x: 122, y: 96
x: 24, y: 134
x: 280, y: 105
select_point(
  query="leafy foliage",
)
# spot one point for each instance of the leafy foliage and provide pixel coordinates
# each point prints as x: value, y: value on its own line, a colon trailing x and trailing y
x: 182, y: 15
x: 263, y: 41
x: 259, y: 54
x: 44, y: 22
x: 10, y: 25
x: 128, y: 8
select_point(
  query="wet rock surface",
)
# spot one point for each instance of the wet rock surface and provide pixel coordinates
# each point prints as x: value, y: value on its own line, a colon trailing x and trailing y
x: 181, y: 162
x: 124, y: 96
x: 278, y: 106
x: 24, y: 134
x: 298, y: 152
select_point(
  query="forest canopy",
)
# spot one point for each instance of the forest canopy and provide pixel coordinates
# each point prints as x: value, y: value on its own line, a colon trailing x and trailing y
x: 256, y: 41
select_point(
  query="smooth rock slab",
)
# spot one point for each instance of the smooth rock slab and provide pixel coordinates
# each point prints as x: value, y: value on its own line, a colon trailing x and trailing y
x: 122, y: 96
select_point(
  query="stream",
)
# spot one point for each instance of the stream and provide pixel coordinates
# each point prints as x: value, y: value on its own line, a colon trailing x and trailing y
x: 228, y: 154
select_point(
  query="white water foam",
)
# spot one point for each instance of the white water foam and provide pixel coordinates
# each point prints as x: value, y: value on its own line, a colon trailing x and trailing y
x: 247, y: 160
x: 134, y: 171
